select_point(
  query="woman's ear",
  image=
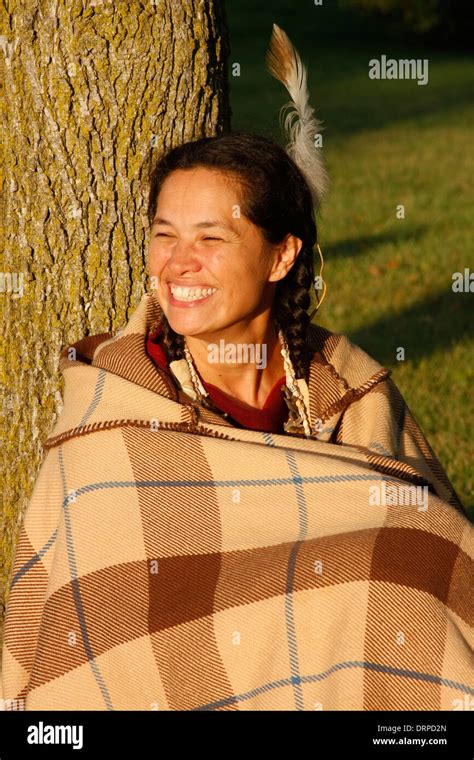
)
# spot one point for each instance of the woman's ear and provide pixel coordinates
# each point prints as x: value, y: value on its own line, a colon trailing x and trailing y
x: 285, y: 254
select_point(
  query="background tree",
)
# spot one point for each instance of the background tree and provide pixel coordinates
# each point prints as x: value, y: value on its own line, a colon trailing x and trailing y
x: 92, y: 92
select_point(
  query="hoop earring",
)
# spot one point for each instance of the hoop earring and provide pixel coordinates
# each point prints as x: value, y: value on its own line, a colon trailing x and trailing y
x: 319, y: 302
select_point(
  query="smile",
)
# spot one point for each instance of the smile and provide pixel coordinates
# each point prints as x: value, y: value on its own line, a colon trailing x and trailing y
x: 182, y: 294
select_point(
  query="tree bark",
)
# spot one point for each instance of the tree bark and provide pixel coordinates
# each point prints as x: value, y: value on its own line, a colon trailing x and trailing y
x: 93, y: 91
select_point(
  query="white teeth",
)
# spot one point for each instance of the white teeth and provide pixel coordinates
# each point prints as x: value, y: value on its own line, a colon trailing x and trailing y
x: 190, y: 294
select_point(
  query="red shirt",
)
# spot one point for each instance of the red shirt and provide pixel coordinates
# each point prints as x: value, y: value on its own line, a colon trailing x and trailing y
x: 269, y: 419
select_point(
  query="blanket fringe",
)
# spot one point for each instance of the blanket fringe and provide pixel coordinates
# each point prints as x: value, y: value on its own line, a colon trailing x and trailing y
x: 353, y: 394
x: 183, y: 427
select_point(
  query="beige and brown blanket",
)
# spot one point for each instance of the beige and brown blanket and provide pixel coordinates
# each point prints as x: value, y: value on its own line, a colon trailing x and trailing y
x: 169, y: 560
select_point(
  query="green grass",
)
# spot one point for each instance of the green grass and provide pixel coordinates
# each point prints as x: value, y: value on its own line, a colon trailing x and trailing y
x: 386, y: 142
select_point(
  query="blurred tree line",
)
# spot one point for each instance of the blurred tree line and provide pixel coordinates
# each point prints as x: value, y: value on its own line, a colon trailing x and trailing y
x: 448, y: 23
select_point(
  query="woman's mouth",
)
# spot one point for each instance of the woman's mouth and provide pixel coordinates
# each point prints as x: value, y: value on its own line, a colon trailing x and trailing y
x: 187, y: 296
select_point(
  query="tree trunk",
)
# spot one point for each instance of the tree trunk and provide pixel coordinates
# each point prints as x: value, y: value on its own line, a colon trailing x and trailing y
x: 93, y: 92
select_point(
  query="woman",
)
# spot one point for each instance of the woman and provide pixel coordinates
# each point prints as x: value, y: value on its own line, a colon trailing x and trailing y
x: 217, y: 273
x: 211, y: 532
x: 231, y: 255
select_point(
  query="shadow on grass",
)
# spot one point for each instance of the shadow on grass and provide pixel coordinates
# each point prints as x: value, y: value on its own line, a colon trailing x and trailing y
x: 429, y: 325
x: 434, y: 323
x: 357, y: 246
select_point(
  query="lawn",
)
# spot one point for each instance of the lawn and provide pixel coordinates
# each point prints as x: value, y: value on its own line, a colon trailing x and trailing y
x: 386, y: 142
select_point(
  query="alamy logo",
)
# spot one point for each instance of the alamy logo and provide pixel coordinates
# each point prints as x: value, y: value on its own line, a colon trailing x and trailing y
x: 237, y: 353
x: 405, y: 68
x: 12, y: 282
x: 399, y: 496
x: 47, y: 734
x: 12, y: 704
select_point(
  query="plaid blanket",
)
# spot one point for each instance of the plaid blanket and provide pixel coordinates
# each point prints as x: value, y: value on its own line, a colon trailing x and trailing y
x: 169, y: 560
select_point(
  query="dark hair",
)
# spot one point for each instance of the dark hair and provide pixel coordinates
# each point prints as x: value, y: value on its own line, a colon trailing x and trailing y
x: 276, y: 198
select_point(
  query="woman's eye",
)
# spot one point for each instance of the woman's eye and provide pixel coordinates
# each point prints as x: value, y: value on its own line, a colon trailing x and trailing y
x: 165, y: 234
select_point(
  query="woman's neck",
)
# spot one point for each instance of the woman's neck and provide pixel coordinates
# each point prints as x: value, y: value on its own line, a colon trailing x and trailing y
x: 246, y: 371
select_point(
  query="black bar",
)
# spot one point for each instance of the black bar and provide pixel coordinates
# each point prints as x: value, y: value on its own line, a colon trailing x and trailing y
x: 315, y: 734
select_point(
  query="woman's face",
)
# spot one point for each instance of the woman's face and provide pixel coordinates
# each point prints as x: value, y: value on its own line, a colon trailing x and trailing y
x: 199, y: 240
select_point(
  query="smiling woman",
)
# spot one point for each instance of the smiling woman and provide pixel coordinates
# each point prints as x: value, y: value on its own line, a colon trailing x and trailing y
x: 248, y: 279
x: 231, y: 533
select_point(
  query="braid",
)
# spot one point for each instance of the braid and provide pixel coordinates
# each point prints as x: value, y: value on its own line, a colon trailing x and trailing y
x: 174, y: 343
x: 291, y: 304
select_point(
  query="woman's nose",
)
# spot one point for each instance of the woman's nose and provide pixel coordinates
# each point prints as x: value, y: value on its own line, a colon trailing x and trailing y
x: 183, y: 258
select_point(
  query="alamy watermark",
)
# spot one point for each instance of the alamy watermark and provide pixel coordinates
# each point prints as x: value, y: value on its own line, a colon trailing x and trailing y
x: 399, y: 496
x: 12, y: 282
x: 41, y: 733
x: 463, y: 282
x: 12, y: 703
x: 237, y: 353
x: 405, y: 68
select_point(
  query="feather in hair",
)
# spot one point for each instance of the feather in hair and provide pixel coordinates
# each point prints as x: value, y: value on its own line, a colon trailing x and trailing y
x: 301, y: 127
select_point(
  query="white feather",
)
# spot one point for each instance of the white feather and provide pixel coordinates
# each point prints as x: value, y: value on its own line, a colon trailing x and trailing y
x: 300, y: 124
